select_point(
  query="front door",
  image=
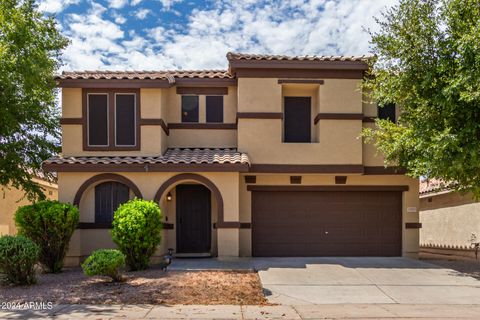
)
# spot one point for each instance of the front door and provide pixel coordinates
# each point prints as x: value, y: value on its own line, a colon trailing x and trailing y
x: 193, y: 218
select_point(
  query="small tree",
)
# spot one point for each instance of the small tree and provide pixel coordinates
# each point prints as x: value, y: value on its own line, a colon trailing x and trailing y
x: 427, y: 62
x: 50, y: 224
x: 18, y: 256
x: 105, y: 262
x: 30, y: 49
x: 137, y: 227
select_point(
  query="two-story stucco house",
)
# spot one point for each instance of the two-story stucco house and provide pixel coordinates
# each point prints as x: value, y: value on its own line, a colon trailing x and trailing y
x: 262, y: 159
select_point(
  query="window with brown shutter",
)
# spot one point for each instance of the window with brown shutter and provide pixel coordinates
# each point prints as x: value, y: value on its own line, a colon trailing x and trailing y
x: 124, y: 119
x: 387, y: 112
x: 214, y: 110
x: 108, y: 197
x: 297, y: 119
x: 111, y: 119
x: 97, y: 110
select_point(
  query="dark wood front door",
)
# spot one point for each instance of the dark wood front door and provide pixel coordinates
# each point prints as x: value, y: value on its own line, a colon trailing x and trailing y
x: 336, y: 223
x: 297, y: 119
x: 193, y: 219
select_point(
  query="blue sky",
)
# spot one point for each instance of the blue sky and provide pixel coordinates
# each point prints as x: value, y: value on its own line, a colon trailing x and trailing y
x: 177, y: 34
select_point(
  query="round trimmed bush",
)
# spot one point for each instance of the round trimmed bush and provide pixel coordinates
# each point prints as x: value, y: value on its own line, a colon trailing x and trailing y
x: 136, y: 229
x: 105, y: 262
x: 50, y: 224
x: 18, y: 256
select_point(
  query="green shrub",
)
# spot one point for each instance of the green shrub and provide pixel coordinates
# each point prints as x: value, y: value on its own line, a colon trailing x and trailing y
x: 136, y: 230
x: 50, y: 224
x: 105, y: 262
x: 18, y: 256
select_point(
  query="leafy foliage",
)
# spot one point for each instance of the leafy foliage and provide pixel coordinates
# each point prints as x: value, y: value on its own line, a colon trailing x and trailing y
x: 30, y: 47
x: 136, y: 231
x: 50, y: 224
x: 428, y: 63
x: 18, y: 256
x: 105, y: 262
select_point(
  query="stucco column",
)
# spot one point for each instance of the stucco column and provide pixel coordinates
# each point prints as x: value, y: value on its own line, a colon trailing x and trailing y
x: 228, y: 238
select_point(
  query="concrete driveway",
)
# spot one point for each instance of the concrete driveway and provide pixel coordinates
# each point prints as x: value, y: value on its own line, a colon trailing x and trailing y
x: 307, y: 281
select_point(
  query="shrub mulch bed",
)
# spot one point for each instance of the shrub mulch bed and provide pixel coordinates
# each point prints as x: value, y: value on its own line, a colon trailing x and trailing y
x: 152, y: 286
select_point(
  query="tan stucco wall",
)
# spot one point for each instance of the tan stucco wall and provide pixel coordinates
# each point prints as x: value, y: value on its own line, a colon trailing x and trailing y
x: 338, y: 143
x: 187, y: 138
x: 237, y: 207
x: 81, y: 244
x: 333, y: 141
x: 449, y: 220
x: 11, y: 198
x: 341, y: 96
x: 155, y: 104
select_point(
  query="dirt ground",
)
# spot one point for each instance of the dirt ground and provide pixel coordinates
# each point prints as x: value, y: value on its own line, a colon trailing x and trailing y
x: 151, y: 286
x: 470, y: 268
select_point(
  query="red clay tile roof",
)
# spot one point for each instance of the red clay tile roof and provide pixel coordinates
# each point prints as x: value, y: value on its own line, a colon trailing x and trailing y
x: 171, y: 156
x: 144, y: 75
x: 268, y: 57
x: 433, y: 185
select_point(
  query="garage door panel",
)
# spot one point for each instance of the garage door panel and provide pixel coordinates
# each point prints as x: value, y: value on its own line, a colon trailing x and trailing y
x: 326, y: 223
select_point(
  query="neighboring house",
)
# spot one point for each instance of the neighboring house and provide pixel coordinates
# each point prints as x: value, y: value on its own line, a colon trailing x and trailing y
x: 11, y: 198
x: 262, y: 159
x: 450, y: 221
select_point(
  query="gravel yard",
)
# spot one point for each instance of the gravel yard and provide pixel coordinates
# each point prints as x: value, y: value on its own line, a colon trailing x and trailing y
x: 469, y: 268
x: 151, y: 286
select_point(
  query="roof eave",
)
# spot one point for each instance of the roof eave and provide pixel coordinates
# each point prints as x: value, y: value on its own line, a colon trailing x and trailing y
x: 298, y: 64
x: 143, y: 167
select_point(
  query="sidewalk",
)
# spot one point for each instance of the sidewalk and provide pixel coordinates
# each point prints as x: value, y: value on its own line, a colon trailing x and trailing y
x: 326, y: 311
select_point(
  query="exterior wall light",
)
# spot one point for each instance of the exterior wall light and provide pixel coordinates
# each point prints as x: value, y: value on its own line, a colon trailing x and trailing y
x: 169, y: 197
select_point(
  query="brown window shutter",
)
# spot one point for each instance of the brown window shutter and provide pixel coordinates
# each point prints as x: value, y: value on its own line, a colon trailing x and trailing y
x: 214, y: 108
x: 97, y: 119
x: 125, y: 119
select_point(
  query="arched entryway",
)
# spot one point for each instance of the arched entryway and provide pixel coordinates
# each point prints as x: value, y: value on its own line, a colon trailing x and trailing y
x: 192, y: 204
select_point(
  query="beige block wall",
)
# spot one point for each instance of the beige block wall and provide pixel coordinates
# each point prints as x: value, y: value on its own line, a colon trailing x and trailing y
x: 448, y: 220
x: 12, y: 198
x: 410, y: 199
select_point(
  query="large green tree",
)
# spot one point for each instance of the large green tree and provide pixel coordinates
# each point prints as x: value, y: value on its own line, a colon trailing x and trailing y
x: 30, y: 47
x: 428, y: 62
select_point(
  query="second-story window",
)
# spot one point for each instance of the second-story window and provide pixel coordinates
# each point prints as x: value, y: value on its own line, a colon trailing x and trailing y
x: 214, y: 105
x: 297, y: 119
x: 97, y: 112
x: 124, y: 119
x: 111, y: 119
x: 189, y: 108
x: 387, y: 112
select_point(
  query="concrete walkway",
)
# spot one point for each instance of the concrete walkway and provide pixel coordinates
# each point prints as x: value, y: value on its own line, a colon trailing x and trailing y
x: 327, y: 311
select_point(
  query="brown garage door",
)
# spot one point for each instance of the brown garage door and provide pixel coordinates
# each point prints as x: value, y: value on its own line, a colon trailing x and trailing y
x: 326, y: 223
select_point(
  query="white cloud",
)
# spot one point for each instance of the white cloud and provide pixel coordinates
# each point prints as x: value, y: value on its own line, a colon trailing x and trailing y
x: 135, y: 2
x: 167, y: 4
x: 55, y: 6
x: 118, y: 18
x: 296, y: 27
x: 142, y: 13
x: 117, y: 4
